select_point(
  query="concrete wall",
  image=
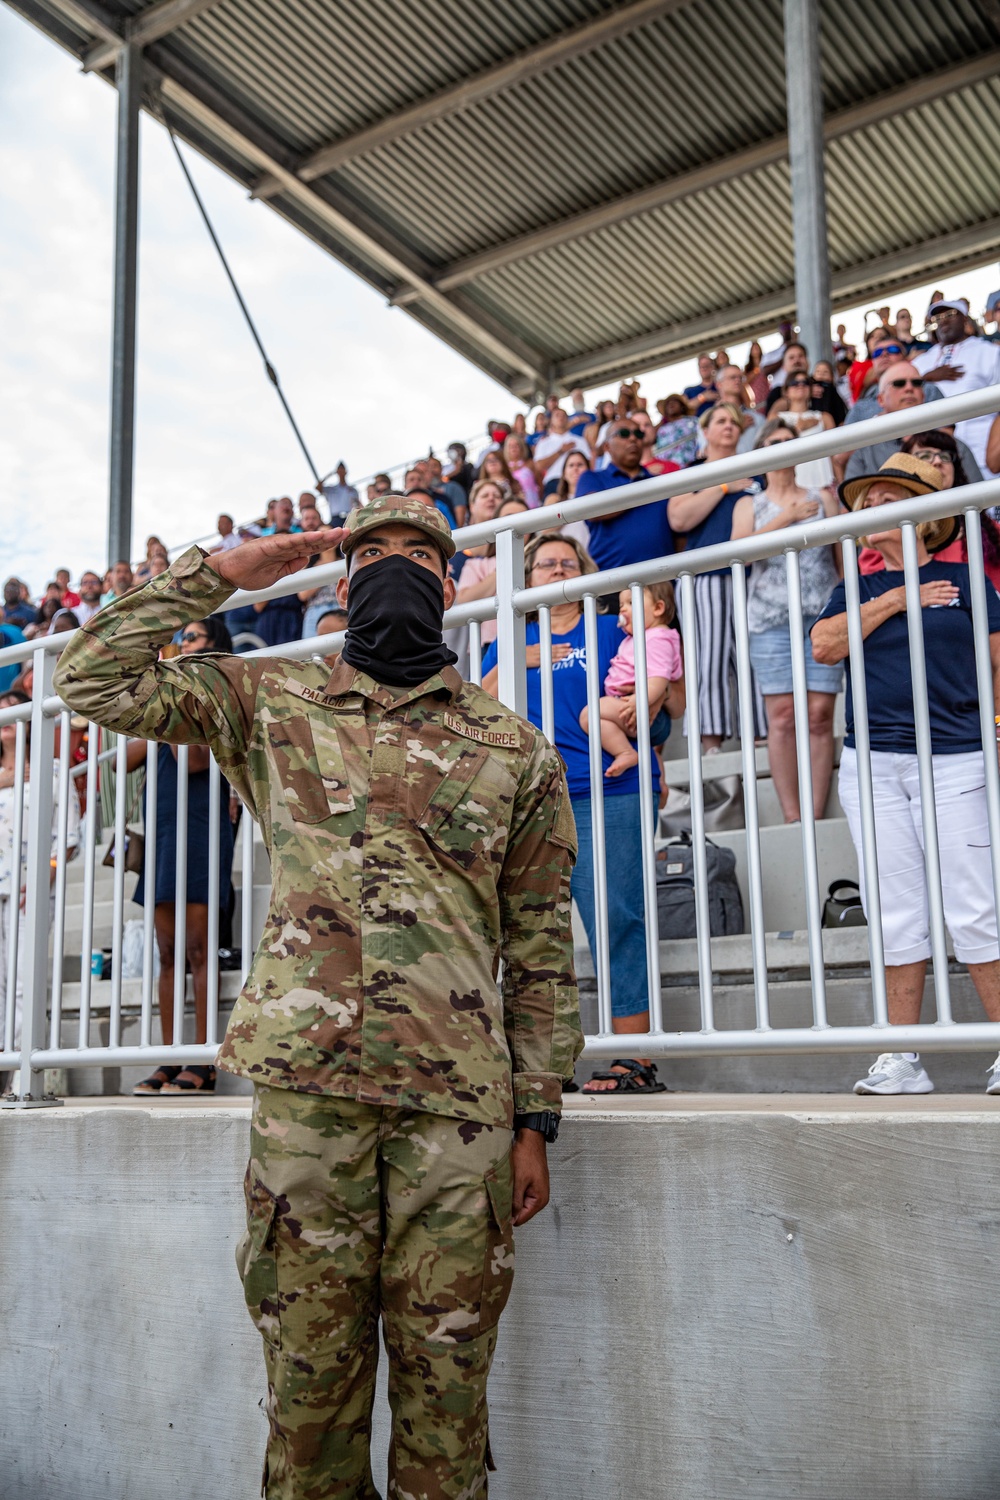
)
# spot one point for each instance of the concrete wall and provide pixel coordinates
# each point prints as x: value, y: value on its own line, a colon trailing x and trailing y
x: 754, y: 1298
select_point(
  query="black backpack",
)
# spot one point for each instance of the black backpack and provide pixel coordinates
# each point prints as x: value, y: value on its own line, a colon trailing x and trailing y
x: 675, y: 890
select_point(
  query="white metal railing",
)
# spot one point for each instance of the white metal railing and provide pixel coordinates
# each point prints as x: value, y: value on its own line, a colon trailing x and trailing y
x: 115, y: 1022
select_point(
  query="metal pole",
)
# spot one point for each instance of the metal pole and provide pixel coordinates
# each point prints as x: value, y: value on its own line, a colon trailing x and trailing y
x: 804, y: 89
x: 512, y: 681
x: 29, y: 1086
x: 128, y: 77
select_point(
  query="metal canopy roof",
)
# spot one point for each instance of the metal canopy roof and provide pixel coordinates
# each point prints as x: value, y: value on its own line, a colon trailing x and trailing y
x: 568, y: 190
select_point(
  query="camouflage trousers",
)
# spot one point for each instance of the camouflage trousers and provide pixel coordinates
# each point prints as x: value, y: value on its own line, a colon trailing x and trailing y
x: 356, y: 1212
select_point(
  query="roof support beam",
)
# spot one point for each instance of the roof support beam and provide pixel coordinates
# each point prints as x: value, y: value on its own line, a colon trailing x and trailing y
x: 804, y: 87
x: 949, y: 252
x: 548, y: 54
x: 751, y: 159
x: 156, y: 21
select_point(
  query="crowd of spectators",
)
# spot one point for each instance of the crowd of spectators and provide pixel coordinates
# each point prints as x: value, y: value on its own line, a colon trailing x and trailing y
x: 567, y: 451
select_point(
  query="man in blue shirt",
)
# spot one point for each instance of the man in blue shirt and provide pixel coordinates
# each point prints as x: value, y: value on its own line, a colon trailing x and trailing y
x: 15, y: 611
x: 703, y: 395
x: 580, y: 418
x: 633, y: 535
x: 284, y: 518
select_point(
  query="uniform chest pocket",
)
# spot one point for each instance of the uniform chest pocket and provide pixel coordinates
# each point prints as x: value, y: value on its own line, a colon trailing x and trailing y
x: 467, y: 815
x: 309, y: 761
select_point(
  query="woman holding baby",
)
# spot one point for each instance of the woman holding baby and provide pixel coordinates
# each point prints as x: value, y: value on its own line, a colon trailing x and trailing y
x: 551, y: 558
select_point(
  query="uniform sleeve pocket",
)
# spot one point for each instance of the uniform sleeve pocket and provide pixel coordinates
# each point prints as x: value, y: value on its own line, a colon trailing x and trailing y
x: 309, y: 760
x: 498, y: 1271
x: 257, y: 1263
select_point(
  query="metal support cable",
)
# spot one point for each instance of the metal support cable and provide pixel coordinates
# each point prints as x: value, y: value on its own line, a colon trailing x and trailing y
x: 269, y: 369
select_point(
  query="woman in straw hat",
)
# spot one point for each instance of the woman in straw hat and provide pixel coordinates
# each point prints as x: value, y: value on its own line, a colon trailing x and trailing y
x: 956, y: 745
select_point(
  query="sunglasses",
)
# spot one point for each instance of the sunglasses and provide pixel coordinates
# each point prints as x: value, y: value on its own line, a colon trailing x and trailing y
x: 917, y: 382
x: 881, y: 349
x: 194, y: 635
x: 629, y: 432
x: 803, y: 381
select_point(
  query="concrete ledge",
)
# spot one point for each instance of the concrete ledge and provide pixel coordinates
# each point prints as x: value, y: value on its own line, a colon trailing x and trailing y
x: 728, y: 1297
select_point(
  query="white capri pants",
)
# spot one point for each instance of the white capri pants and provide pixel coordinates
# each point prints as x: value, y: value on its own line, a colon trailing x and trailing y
x: 963, y: 841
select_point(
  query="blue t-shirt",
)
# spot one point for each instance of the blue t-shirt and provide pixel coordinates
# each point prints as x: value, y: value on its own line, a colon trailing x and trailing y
x: 952, y: 693
x: 569, y: 699
x: 718, y: 524
x: 579, y: 421
x: 10, y: 635
x: 635, y: 535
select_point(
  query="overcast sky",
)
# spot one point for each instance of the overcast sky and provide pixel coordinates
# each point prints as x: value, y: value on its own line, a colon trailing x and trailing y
x: 366, y: 383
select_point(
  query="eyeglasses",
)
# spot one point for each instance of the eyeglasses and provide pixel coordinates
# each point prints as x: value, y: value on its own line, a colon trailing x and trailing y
x: 549, y: 565
x: 917, y: 382
x: 932, y: 455
x: 881, y: 349
x: 628, y: 432
x: 194, y: 635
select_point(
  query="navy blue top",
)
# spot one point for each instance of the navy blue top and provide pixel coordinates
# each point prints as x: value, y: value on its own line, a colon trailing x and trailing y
x: 569, y: 699
x: 952, y: 694
x: 718, y: 524
x: 635, y: 535
x: 198, y: 834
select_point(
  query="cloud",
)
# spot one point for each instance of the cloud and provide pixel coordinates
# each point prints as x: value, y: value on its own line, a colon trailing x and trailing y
x: 366, y: 383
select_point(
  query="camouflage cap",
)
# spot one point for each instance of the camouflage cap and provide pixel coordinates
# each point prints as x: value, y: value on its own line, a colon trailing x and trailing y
x: 398, y: 510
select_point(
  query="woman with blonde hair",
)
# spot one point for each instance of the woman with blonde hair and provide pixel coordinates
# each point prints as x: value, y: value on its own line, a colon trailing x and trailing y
x: 706, y: 516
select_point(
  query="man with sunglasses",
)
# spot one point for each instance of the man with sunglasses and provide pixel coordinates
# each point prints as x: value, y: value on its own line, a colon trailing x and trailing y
x: 963, y: 363
x: 631, y: 535
x: 900, y: 387
x: 886, y: 350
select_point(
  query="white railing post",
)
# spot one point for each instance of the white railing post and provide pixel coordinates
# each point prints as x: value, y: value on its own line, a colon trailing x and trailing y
x: 28, y: 1088
x: 512, y: 679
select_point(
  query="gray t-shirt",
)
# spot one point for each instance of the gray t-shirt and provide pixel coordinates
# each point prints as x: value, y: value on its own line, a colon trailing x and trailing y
x: 767, y: 591
x: 869, y: 460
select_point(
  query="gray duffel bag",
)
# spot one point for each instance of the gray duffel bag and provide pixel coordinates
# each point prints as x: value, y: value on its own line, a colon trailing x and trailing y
x: 675, y: 890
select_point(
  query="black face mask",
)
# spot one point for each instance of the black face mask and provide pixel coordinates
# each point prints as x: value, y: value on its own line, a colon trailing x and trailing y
x: 394, y: 613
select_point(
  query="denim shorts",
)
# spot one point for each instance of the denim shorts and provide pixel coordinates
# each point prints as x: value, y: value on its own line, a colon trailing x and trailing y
x: 659, y: 730
x: 771, y: 658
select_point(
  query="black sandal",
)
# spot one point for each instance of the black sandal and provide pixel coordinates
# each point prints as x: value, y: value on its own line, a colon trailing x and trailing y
x: 638, y: 1078
x: 155, y: 1082
x: 198, y: 1080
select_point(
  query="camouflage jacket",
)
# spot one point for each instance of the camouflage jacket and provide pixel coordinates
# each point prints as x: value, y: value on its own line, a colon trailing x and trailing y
x: 418, y: 838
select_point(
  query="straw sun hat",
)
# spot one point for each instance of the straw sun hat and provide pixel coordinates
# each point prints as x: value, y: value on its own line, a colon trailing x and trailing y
x: 914, y: 476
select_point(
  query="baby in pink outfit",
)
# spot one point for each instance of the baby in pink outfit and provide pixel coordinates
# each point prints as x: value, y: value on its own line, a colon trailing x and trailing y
x: 664, y: 666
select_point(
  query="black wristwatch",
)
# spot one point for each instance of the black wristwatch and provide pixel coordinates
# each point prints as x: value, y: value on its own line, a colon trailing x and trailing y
x: 545, y: 1122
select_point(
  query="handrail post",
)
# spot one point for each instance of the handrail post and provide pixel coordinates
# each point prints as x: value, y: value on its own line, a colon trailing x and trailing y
x: 28, y: 1087
x: 512, y: 677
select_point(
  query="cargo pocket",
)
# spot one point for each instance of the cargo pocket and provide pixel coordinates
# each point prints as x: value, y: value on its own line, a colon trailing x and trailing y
x: 257, y: 1262
x: 309, y: 761
x: 498, y: 1270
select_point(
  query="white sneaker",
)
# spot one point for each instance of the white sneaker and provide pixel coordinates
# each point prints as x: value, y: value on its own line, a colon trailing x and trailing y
x: 892, y: 1073
x: 993, y: 1082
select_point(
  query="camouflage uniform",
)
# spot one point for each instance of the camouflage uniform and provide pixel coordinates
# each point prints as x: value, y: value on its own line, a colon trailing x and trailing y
x: 417, y: 837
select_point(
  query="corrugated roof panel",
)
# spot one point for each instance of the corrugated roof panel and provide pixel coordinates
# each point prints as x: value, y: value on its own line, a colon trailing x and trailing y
x: 676, y: 93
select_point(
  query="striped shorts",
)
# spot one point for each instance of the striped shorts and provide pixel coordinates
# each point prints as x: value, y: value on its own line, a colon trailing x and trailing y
x: 718, y: 704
